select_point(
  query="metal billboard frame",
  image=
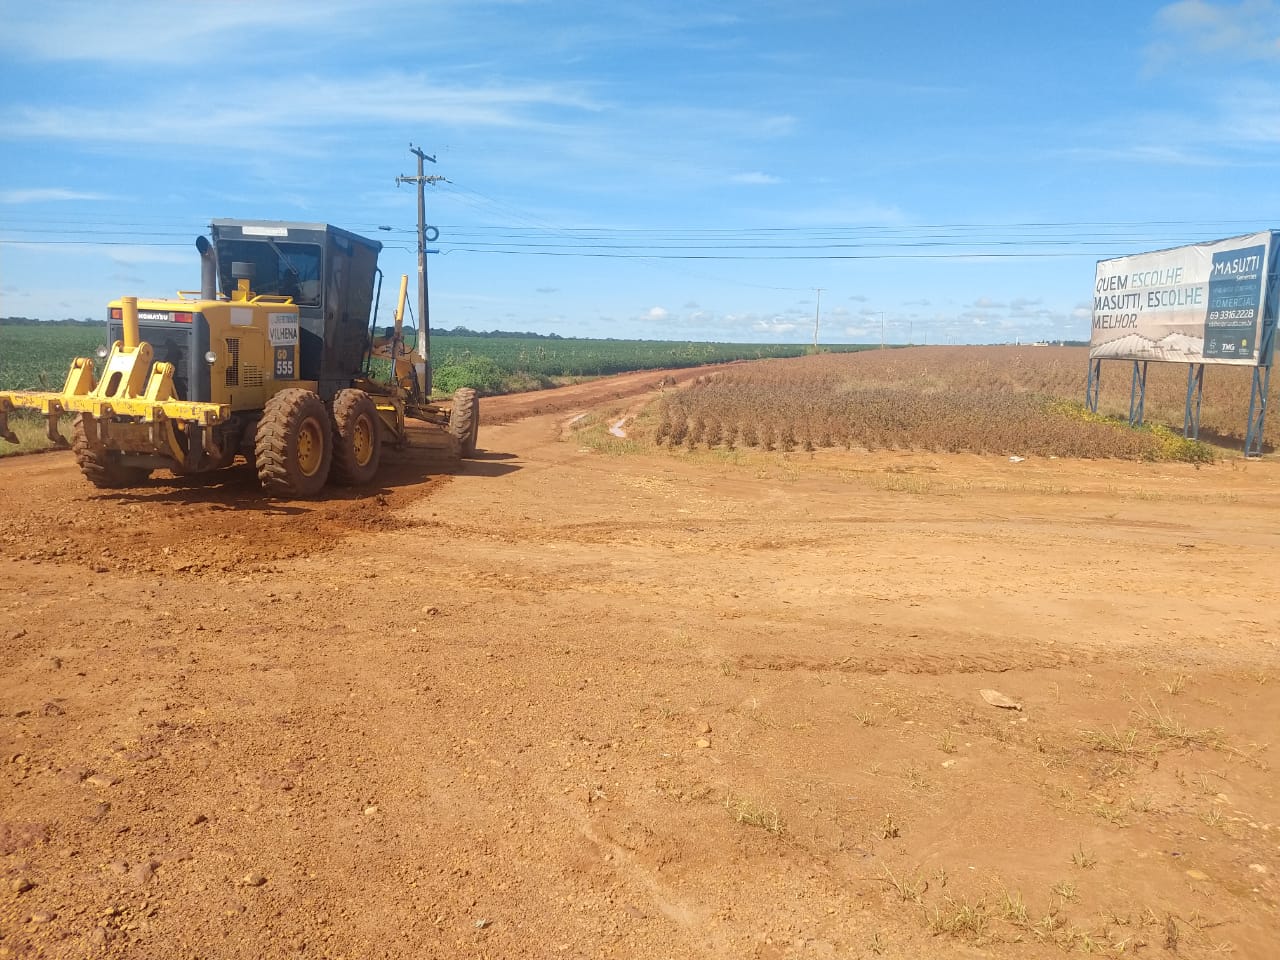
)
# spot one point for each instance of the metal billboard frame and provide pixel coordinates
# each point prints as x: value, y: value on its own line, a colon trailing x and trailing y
x: 1195, y: 394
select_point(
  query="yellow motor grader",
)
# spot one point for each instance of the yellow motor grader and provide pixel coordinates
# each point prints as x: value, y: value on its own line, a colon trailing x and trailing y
x: 273, y: 359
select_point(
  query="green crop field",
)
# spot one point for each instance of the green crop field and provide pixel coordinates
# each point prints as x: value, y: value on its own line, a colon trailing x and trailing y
x: 501, y: 364
x: 36, y: 356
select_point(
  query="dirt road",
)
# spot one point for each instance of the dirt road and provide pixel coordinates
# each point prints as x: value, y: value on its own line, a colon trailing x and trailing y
x: 568, y: 703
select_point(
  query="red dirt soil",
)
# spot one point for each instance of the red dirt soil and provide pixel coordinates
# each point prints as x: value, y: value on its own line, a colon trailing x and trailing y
x: 559, y: 702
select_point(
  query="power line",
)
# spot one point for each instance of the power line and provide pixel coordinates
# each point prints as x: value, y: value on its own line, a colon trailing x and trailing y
x: 689, y: 256
x: 527, y: 235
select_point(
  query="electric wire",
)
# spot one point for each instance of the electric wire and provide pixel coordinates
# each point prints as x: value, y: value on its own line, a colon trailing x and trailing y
x: 521, y: 234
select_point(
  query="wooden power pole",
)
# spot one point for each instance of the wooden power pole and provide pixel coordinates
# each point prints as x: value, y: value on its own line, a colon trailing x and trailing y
x: 817, y: 311
x: 424, y: 315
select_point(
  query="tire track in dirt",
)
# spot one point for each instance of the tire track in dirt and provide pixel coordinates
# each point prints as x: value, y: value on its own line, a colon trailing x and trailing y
x: 924, y: 664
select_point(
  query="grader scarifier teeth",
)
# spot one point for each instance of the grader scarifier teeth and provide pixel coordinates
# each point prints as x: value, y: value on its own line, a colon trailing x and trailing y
x: 5, y: 432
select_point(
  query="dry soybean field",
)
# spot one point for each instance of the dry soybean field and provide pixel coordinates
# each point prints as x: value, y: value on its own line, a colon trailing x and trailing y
x: 1016, y: 401
x: 594, y: 694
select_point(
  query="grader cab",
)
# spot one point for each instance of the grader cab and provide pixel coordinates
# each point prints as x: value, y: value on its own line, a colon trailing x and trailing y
x: 277, y: 358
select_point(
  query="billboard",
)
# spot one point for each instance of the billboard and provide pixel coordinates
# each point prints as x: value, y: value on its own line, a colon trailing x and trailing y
x: 1204, y: 303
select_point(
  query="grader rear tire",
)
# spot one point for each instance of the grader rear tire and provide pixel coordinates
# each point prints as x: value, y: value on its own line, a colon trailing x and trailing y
x: 357, y: 438
x: 102, y: 467
x: 464, y: 420
x: 293, y: 447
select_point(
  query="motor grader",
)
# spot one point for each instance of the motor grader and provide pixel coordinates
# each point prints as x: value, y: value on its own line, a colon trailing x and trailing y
x: 275, y: 359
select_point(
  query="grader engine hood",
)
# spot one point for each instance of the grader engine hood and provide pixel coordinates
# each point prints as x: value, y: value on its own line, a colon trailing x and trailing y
x: 178, y: 334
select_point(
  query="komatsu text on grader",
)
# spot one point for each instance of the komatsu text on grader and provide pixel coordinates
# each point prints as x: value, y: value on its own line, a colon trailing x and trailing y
x: 271, y: 360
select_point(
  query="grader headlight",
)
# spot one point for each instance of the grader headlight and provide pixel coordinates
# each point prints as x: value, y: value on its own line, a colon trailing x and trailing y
x: 210, y: 358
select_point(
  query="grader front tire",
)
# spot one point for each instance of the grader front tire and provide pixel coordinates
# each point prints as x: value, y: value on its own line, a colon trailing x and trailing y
x: 464, y: 420
x: 293, y: 447
x: 100, y: 466
x: 357, y: 438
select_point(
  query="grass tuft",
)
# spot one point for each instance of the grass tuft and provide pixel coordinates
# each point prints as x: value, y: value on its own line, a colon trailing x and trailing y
x: 753, y: 814
x: 909, y: 888
x: 1123, y: 742
x: 966, y: 919
x: 1084, y: 859
x: 1170, y: 729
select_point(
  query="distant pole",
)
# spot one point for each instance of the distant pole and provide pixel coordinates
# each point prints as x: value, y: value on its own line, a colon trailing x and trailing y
x: 881, y: 329
x: 424, y: 316
x: 910, y: 327
x: 817, y: 311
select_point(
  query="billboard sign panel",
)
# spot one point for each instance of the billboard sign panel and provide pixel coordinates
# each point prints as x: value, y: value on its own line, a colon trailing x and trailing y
x: 1204, y: 303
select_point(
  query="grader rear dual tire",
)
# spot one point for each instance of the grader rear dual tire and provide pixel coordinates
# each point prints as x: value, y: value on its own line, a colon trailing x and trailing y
x: 293, y: 446
x: 464, y: 420
x: 100, y: 466
x: 357, y: 438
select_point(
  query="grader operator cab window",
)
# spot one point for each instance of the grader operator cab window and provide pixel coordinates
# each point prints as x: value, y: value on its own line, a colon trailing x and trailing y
x: 280, y: 268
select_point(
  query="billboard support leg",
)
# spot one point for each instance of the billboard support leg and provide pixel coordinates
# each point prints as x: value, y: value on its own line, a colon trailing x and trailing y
x: 1257, y: 411
x: 1137, y: 393
x: 1195, y: 393
x: 1093, y: 386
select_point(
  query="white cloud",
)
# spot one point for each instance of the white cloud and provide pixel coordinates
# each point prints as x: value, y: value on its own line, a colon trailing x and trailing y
x: 1234, y: 33
x: 126, y: 253
x: 755, y: 178
x: 44, y: 194
x: 144, y: 254
x: 845, y: 211
x: 1249, y: 115
x: 773, y: 326
x: 657, y: 313
x: 1155, y: 153
x: 275, y: 113
x: 127, y: 31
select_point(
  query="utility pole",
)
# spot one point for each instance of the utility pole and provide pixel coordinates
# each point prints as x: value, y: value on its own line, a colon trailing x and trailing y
x: 816, y: 313
x: 424, y: 316
x: 882, y: 330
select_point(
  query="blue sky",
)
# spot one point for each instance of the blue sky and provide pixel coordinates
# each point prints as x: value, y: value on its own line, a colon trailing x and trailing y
x: 947, y: 171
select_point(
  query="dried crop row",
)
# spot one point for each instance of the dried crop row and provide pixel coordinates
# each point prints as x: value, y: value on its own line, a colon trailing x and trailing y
x: 979, y: 400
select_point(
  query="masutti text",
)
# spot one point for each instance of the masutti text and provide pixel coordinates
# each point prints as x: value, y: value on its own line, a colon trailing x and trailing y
x: 1237, y: 266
